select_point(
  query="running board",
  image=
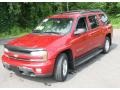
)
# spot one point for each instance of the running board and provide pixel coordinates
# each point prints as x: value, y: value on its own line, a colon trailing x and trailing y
x: 87, y: 57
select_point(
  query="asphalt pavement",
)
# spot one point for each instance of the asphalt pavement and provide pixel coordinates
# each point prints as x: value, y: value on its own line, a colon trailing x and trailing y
x: 101, y: 71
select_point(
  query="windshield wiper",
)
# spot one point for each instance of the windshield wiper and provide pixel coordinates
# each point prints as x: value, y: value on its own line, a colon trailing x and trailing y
x: 52, y: 32
x: 36, y: 31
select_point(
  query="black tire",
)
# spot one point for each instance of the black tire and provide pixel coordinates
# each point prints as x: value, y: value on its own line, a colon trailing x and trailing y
x: 58, y: 71
x: 107, y: 39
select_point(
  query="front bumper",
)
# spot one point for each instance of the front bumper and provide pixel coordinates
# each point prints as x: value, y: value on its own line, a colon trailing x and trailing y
x: 34, y: 69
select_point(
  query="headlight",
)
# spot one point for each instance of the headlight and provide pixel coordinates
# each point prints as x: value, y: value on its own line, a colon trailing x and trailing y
x: 6, y: 50
x: 42, y: 54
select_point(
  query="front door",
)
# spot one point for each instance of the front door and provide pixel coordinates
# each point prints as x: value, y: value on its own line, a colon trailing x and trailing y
x: 80, y: 42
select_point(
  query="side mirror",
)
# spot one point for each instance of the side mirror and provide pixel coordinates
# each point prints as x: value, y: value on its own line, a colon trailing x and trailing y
x: 79, y: 31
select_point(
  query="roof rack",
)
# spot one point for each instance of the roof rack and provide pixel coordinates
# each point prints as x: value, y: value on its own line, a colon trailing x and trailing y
x: 95, y: 10
x: 82, y: 11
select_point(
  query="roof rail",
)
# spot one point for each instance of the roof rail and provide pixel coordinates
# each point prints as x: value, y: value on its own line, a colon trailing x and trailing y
x: 82, y: 11
x: 95, y: 10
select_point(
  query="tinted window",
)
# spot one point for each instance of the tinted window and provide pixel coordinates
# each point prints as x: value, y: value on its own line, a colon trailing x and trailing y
x: 104, y: 19
x: 82, y: 23
x: 93, y: 21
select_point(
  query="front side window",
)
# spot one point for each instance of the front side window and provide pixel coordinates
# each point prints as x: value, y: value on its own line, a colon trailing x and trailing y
x: 82, y: 24
x: 93, y: 21
x: 54, y: 26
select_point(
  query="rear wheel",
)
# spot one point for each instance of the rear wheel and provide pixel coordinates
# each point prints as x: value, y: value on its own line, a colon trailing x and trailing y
x: 61, y: 68
x: 106, y: 47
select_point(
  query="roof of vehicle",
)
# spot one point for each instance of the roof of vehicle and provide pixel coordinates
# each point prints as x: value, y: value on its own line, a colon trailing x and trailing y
x: 75, y: 13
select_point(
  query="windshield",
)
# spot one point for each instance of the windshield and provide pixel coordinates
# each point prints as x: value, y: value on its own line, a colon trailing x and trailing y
x: 54, y: 26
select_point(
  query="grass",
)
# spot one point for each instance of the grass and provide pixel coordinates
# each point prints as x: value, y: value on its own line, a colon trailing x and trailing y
x: 17, y: 31
x: 115, y: 21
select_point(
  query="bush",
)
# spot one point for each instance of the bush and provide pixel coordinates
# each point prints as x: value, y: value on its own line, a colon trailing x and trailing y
x: 115, y: 20
x: 17, y: 18
x: 15, y: 31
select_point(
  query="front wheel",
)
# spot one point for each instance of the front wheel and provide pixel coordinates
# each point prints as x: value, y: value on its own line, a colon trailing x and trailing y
x: 106, y: 47
x: 61, y: 68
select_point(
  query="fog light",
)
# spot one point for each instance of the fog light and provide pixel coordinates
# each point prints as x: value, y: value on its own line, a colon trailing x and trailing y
x: 38, y: 70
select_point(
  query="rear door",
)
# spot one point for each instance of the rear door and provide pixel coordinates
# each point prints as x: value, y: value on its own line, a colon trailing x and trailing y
x: 95, y: 32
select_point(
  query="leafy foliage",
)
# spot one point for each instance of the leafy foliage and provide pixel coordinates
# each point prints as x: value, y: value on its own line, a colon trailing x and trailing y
x: 16, y: 17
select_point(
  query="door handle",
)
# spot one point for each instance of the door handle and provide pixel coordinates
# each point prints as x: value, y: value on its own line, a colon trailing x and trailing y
x: 90, y: 34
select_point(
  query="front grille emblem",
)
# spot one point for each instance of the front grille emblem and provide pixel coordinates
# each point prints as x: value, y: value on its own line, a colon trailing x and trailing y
x: 15, y: 55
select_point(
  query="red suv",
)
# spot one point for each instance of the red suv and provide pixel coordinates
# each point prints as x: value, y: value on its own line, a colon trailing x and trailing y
x: 59, y: 43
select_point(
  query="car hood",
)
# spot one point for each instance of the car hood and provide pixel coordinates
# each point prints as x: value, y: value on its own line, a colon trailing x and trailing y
x: 34, y: 40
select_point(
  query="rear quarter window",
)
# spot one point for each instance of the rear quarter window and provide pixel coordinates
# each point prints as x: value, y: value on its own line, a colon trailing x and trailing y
x: 104, y: 19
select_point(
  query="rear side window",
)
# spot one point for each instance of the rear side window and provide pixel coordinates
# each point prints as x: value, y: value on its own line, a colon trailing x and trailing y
x: 93, y: 21
x: 104, y: 19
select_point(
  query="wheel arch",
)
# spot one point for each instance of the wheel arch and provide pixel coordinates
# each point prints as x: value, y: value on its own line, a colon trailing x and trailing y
x: 109, y: 35
x: 69, y: 53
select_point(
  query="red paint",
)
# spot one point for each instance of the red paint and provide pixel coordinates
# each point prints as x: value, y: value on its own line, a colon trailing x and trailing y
x: 55, y: 44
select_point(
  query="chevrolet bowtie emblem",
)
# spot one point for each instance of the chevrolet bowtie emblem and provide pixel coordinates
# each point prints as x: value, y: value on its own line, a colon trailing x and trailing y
x: 15, y: 55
